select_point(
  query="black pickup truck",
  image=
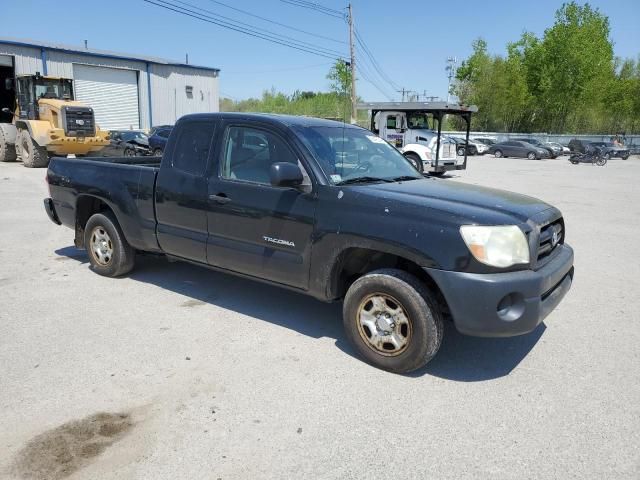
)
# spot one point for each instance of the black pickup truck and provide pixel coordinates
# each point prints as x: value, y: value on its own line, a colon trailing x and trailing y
x: 330, y: 210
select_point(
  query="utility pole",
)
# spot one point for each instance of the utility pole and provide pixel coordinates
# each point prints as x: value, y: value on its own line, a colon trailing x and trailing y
x: 403, y: 91
x: 352, y: 48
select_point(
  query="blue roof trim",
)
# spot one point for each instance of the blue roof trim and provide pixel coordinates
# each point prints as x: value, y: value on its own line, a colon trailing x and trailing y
x: 96, y: 53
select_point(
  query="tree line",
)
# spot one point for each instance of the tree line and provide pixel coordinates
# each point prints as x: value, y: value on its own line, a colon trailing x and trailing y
x: 568, y: 81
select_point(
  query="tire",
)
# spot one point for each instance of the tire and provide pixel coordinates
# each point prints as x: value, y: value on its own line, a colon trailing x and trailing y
x: 7, y: 151
x: 460, y: 152
x: 129, y: 152
x: 157, y: 152
x: 574, y: 162
x: 31, y: 154
x: 601, y: 162
x: 415, y: 160
x: 401, y: 296
x: 531, y: 156
x: 473, y: 151
x: 498, y: 154
x: 625, y: 157
x: 109, y: 252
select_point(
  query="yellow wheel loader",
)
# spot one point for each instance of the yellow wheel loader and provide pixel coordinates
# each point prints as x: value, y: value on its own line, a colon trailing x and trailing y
x: 47, y: 122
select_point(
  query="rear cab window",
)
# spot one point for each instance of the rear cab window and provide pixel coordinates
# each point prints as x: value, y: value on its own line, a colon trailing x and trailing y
x: 191, y: 151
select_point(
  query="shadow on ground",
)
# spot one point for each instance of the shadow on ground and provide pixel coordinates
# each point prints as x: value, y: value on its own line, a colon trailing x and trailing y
x: 461, y: 358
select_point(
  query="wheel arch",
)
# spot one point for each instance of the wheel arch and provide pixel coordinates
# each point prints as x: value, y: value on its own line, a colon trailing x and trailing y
x: 86, y: 206
x: 355, y: 261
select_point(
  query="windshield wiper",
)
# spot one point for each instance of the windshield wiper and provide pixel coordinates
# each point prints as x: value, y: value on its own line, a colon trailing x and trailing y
x: 349, y: 181
x: 405, y: 178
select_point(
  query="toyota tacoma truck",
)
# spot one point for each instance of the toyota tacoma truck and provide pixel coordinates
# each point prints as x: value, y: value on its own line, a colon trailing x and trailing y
x: 329, y: 210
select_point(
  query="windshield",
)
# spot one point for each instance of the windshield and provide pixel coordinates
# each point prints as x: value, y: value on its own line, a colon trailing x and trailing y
x: 418, y: 121
x: 46, y: 88
x: 348, y: 154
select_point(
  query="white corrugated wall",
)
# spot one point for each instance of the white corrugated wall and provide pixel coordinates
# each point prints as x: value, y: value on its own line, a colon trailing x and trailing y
x: 169, y: 98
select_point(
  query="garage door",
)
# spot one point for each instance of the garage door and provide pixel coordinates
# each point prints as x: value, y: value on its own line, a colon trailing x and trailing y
x: 112, y: 92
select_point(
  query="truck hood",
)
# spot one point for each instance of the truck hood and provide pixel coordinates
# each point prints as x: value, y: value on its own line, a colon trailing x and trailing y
x: 463, y: 203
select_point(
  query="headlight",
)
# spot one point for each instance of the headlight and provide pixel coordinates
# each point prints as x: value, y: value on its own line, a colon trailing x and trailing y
x: 500, y: 246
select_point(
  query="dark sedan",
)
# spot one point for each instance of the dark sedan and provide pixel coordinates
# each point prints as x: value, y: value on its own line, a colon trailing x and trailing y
x: 552, y: 152
x: 158, y: 139
x: 514, y: 148
x: 126, y: 143
x: 611, y: 150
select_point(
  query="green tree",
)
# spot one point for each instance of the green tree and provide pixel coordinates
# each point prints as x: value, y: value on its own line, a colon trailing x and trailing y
x: 339, y: 77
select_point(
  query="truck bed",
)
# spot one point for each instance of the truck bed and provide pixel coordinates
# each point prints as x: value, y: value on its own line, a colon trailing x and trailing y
x: 125, y: 184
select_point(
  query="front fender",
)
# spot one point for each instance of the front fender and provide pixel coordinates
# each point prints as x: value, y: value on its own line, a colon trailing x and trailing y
x: 38, y: 129
x: 422, y: 151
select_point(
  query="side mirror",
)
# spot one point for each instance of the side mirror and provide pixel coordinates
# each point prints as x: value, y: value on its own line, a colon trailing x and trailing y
x: 6, y: 110
x: 285, y: 174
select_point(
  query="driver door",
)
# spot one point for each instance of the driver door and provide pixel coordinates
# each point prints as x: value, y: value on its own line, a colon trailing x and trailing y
x: 255, y: 228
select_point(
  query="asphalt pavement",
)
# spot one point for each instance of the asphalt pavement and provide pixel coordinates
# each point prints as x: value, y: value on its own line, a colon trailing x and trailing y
x: 178, y: 372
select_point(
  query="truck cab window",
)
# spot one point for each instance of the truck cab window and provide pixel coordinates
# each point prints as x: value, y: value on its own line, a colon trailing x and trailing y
x: 250, y: 152
x: 192, y: 148
x: 392, y: 122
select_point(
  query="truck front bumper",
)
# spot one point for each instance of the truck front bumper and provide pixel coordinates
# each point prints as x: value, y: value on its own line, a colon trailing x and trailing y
x: 505, y: 304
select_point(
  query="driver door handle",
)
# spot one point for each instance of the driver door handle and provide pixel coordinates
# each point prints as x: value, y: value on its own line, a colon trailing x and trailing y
x: 220, y: 198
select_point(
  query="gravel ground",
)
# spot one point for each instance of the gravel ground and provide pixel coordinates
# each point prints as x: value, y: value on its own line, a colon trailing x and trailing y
x: 177, y: 372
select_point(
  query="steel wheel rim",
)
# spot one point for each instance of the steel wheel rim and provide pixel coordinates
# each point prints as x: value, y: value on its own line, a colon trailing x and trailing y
x: 383, y: 324
x: 101, y: 246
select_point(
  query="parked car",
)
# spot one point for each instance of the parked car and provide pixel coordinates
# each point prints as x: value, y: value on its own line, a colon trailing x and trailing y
x: 565, y: 150
x: 557, y: 148
x: 287, y: 210
x: 473, y: 148
x: 611, y: 150
x: 514, y: 148
x: 552, y: 152
x: 126, y: 143
x: 158, y: 139
x: 487, y: 141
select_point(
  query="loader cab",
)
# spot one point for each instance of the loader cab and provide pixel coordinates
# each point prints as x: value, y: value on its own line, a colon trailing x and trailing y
x: 30, y: 89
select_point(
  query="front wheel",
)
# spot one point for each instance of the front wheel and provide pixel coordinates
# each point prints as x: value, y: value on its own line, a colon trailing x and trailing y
x: 460, y: 152
x: 392, y: 320
x: 129, y: 152
x: 601, y: 162
x: 498, y: 153
x: 110, y: 254
x: 415, y: 160
x: 157, y: 152
x: 31, y: 154
x: 625, y: 157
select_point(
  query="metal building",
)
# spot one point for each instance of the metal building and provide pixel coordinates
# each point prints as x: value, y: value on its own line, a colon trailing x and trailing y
x: 125, y: 91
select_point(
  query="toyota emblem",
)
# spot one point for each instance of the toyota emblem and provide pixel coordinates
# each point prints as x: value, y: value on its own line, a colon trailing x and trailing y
x: 555, y: 238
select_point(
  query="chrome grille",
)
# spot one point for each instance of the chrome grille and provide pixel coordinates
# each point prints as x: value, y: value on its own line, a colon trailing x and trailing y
x: 551, y: 236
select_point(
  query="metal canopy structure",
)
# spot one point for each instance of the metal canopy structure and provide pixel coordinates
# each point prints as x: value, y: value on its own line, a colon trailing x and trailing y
x: 447, y: 108
x: 437, y: 109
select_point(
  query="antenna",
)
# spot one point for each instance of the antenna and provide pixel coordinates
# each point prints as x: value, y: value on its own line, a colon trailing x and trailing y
x: 451, y: 71
x: 86, y: 45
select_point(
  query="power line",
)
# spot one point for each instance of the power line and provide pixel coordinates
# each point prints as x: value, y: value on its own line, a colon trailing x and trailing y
x: 370, y: 78
x: 317, y: 7
x: 278, y: 39
x: 277, y: 23
x: 286, y: 69
x: 240, y: 24
x: 375, y: 63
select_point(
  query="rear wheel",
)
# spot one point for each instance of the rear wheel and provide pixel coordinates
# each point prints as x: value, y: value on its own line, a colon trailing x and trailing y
x: 625, y: 157
x: 392, y: 320
x: 157, y: 152
x: 415, y: 160
x: 110, y: 254
x: 601, y: 162
x: 129, y: 152
x: 31, y: 154
x: 7, y: 151
x: 460, y: 151
x: 497, y: 153
x: 531, y: 156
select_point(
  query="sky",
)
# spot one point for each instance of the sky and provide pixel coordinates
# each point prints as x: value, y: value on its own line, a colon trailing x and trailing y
x: 410, y: 40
